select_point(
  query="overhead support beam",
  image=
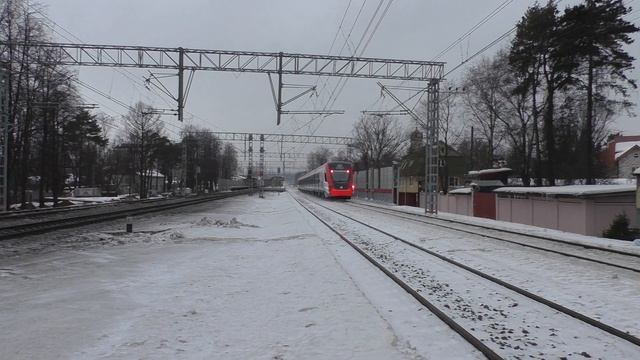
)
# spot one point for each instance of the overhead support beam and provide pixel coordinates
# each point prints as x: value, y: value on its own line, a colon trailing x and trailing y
x: 284, y: 138
x: 285, y: 155
x: 235, y: 61
x: 319, y: 112
x: 386, y: 112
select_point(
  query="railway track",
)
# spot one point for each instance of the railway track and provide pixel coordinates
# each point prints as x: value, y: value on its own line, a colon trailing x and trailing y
x: 38, y: 213
x: 597, y: 252
x: 540, y: 301
x: 138, y: 208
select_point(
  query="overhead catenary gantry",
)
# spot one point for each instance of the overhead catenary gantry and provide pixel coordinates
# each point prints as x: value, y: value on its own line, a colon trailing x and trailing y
x: 277, y: 63
x: 248, y: 138
x: 284, y: 138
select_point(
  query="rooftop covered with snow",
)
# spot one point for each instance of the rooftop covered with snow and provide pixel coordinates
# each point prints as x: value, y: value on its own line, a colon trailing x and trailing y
x: 569, y: 190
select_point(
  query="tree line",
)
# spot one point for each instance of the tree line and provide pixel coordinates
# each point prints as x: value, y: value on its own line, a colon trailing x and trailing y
x: 543, y: 106
x: 57, y: 142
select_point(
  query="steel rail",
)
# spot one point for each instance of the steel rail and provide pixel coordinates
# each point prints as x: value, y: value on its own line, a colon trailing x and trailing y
x: 555, y: 306
x: 21, y: 230
x: 414, y: 217
x: 18, y: 214
x: 474, y: 341
x: 587, y: 246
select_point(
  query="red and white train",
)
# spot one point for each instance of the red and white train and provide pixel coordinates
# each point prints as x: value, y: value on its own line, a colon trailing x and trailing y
x: 333, y: 179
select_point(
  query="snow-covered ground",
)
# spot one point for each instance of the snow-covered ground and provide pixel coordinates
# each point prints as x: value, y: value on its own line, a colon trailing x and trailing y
x: 620, y: 245
x: 518, y: 325
x: 240, y: 278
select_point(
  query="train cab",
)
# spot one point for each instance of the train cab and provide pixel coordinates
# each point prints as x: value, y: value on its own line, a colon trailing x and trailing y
x: 340, y: 179
x: 333, y: 179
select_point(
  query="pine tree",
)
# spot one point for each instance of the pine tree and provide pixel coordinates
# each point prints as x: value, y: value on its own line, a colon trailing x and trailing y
x: 542, y: 50
x: 600, y: 33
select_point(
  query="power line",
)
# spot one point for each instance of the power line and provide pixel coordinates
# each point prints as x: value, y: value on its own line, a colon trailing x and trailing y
x: 343, y: 45
x: 335, y: 37
x: 462, y: 37
x: 375, y: 28
x: 326, y: 81
x: 485, y: 48
x: 136, y: 83
x: 339, y: 30
x: 473, y: 28
x: 124, y: 72
x: 344, y: 83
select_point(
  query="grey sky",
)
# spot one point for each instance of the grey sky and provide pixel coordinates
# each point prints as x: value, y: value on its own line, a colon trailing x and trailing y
x: 412, y: 29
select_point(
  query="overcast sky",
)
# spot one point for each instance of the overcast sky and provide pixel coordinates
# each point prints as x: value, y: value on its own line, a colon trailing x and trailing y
x: 411, y: 29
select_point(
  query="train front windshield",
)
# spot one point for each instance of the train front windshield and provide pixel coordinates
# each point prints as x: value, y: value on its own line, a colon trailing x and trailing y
x: 340, y: 176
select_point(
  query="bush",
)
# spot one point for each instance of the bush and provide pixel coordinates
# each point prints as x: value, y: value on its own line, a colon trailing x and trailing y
x: 619, y: 228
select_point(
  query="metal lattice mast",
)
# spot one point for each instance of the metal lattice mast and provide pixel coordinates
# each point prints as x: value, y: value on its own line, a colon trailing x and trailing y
x: 181, y: 115
x: 282, y: 157
x: 250, y: 167
x: 4, y: 134
x: 430, y: 126
x: 431, y: 149
x: 281, y: 138
x: 261, y: 166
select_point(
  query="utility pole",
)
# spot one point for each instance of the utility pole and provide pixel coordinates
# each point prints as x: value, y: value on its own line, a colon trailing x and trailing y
x: 250, y: 169
x: 279, y: 105
x: 431, y: 148
x: 261, y: 168
x: 181, y: 115
x: 431, y: 126
x: 4, y: 136
x: 471, y: 150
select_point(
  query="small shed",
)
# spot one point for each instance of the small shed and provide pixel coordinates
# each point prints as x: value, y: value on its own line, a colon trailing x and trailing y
x: 483, y: 182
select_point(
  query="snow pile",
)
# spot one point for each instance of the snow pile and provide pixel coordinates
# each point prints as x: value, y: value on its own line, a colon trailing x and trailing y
x: 233, y: 223
x: 18, y: 247
x: 122, y: 238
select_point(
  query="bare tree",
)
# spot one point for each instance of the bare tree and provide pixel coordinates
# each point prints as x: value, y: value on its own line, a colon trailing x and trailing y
x: 518, y: 116
x: 318, y: 157
x: 481, y: 98
x: 229, y: 161
x: 143, y: 130
x: 379, y: 139
x: 19, y: 27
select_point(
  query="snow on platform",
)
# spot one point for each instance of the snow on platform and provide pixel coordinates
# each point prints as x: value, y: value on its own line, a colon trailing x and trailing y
x: 241, y: 278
